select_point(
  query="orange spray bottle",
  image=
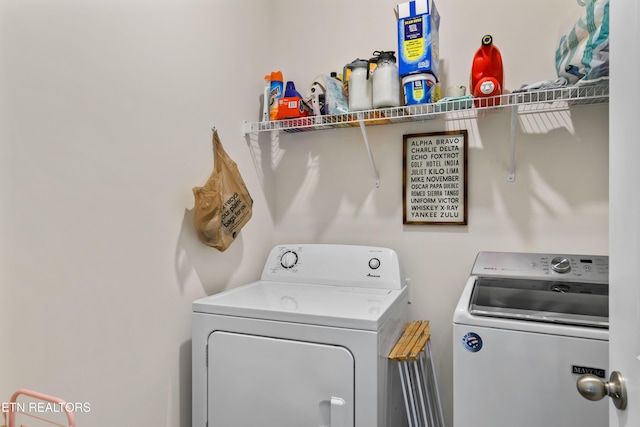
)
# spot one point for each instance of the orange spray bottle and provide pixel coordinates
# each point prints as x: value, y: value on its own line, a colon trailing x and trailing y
x: 276, y: 92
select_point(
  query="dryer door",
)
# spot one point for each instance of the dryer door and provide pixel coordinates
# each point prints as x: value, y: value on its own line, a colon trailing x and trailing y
x: 270, y: 382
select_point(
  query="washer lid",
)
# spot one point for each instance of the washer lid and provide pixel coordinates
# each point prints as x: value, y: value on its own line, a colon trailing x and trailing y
x: 570, y: 303
x: 324, y: 305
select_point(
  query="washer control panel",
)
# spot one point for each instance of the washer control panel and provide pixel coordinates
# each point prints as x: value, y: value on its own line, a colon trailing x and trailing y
x: 345, y: 265
x: 589, y: 268
x: 561, y: 264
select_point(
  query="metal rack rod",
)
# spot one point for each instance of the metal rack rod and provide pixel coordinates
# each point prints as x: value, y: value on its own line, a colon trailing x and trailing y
x: 376, y: 175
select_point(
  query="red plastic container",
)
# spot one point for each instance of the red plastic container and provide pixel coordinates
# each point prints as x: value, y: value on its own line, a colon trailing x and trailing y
x: 487, y: 74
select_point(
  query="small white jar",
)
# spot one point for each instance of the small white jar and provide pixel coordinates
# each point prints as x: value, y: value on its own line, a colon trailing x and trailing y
x: 360, y: 89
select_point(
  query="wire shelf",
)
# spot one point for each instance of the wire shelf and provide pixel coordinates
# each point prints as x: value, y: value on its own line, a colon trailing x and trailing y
x: 527, y: 102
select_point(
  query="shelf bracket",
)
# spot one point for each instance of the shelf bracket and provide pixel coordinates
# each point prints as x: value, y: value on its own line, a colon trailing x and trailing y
x: 246, y: 128
x: 511, y: 175
x: 376, y: 175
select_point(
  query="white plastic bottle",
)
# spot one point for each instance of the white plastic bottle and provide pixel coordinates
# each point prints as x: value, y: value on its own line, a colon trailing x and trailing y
x: 266, y: 98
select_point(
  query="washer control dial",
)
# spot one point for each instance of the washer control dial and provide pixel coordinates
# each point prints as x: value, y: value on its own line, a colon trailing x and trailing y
x: 374, y: 263
x: 561, y: 265
x: 289, y: 259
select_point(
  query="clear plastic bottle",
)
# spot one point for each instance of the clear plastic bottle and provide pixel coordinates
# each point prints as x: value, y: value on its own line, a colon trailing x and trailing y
x: 360, y: 96
x: 386, y: 80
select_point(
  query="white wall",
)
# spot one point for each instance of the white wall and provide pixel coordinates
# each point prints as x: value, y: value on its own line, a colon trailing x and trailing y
x: 106, y: 108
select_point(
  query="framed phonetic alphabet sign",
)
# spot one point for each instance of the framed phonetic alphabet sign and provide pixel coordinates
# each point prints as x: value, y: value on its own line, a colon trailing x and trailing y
x: 434, y: 181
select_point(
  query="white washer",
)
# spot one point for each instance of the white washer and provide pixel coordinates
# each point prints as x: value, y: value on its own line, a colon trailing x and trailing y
x: 525, y: 328
x: 306, y: 345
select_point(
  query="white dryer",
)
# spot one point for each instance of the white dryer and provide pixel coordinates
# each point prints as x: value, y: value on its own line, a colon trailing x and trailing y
x: 306, y: 345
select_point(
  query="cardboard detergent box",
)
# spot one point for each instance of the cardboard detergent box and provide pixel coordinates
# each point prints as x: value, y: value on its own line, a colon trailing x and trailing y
x: 418, y: 25
x: 292, y: 107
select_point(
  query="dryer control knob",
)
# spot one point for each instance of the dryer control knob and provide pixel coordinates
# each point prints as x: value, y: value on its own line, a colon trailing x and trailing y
x: 289, y: 259
x: 374, y: 263
x: 560, y: 265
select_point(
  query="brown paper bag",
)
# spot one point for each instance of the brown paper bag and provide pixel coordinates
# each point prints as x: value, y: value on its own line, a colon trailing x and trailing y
x: 223, y: 205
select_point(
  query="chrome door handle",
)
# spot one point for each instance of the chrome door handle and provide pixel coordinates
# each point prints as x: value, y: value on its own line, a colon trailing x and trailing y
x: 594, y: 388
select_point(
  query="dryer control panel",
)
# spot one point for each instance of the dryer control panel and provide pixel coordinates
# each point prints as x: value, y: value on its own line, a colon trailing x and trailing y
x: 583, y: 268
x: 343, y: 265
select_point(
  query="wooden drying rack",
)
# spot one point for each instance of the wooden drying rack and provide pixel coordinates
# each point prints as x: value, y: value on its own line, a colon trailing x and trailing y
x: 417, y: 372
x: 412, y: 342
